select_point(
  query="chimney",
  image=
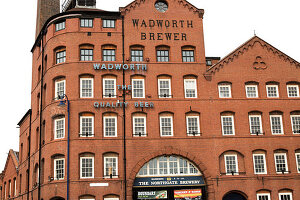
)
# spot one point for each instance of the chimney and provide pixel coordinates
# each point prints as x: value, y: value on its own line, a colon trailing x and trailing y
x: 45, y: 9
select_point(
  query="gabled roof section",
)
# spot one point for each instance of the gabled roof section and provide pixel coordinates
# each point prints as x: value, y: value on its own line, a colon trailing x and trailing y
x: 14, y: 155
x: 184, y: 3
x: 245, y: 47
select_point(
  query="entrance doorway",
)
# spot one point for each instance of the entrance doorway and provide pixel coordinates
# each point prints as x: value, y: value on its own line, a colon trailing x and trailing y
x: 234, y: 196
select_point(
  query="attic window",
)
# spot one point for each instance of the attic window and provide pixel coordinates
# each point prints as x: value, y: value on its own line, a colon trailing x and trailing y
x: 86, y: 2
x: 161, y: 6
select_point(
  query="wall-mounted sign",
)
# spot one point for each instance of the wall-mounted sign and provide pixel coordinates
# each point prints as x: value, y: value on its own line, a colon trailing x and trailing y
x: 117, y: 66
x: 193, y: 194
x: 168, y: 181
x: 152, y: 194
x: 120, y: 104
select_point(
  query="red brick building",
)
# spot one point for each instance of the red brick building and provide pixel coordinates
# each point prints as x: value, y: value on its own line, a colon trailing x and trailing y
x: 125, y: 105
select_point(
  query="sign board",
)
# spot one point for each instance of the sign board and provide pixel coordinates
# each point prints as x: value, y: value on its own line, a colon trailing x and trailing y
x: 168, y: 181
x: 193, y: 194
x: 152, y: 194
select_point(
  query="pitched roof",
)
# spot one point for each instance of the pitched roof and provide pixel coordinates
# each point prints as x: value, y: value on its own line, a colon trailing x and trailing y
x: 245, y: 47
x: 14, y: 155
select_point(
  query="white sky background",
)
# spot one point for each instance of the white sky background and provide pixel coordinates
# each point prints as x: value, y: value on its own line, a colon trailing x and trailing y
x: 227, y: 24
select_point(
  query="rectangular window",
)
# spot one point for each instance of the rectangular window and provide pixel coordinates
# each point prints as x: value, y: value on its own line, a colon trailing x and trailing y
x: 60, y: 26
x: 111, y: 167
x: 293, y: 90
x: 86, y: 88
x: 86, y: 167
x: 281, y: 163
x: 295, y: 119
x: 59, y: 169
x: 224, y: 91
x: 298, y: 161
x: 263, y: 196
x: 136, y: 55
x: 88, y: 23
x: 259, y: 162
x: 166, y: 126
x: 15, y: 187
x: 251, y: 91
x: 138, y: 89
x: 276, y: 124
x: 109, y: 88
x: 60, y: 88
x: 110, y: 126
x: 59, y: 128
x: 227, y: 125
x: 139, y: 126
x: 231, y: 165
x: 192, y: 125
x: 86, y: 126
x: 162, y: 55
x: 108, y: 23
x: 272, y: 91
x: 86, y: 54
x: 164, y: 88
x: 60, y: 56
x: 190, y: 88
x: 188, y: 56
x: 285, y: 196
x: 109, y: 54
x: 255, y: 124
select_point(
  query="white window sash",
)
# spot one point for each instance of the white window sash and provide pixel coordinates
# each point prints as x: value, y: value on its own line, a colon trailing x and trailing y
x: 270, y: 86
x: 187, y: 125
x: 294, y: 131
x: 104, y: 87
x: 229, y: 90
x: 161, y: 131
x: 55, y: 128
x: 190, y: 86
x: 285, y: 162
x: 265, y: 164
x: 55, y: 167
x: 56, y: 87
x: 297, y: 90
x: 298, y: 162
x: 105, y: 162
x: 236, y: 164
x: 92, y: 133
x: 256, y: 91
x: 159, y: 87
x: 281, y: 125
x: 262, y: 195
x: 104, y: 126
x: 134, y: 126
x: 232, y: 119
x: 92, y: 83
x: 285, y: 194
x: 260, y: 124
x: 133, y: 87
x: 92, y: 167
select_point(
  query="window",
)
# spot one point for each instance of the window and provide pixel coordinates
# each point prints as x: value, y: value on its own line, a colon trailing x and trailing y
x: 60, y: 88
x: 255, y: 124
x: 86, y: 167
x: 192, y: 125
x: 293, y: 90
x: 276, y: 124
x: 166, y: 126
x: 59, y: 169
x: 110, y: 126
x: 59, y: 128
x: 231, y: 164
x: 281, y: 163
x: 88, y: 23
x: 298, y: 162
x: 138, y: 89
x: 227, y: 125
x: 86, y: 54
x: 272, y: 91
x: 86, y: 88
x: 60, y: 26
x: 61, y: 56
x: 109, y: 88
x: 86, y: 126
x: 295, y: 119
x: 224, y: 90
x: 108, y: 23
x: 263, y: 196
x: 15, y: 187
x: 136, y: 55
x: 139, y: 126
x: 188, y: 56
x: 85, y: 3
x: 285, y: 196
x: 111, y: 167
x: 190, y: 88
x: 164, y: 88
x: 251, y: 91
x: 109, y: 54
x: 162, y: 55
x: 259, y: 163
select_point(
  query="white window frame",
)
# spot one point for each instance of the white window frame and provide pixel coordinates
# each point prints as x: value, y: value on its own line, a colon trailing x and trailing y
x: 265, y: 164
x: 108, y: 23
x: 298, y: 162
x: 92, y: 134
x: 160, y: 125
x: 15, y: 187
x: 256, y: 91
x: 105, y: 162
x: 92, y: 92
x: 294, y: 131
x: 86, y: 23
x: 233, y: 129
x: 236, y: 162
x: 262, y: 195
x: 115, y: 87
x: 285, y: 161
x: 93, y: 166
x: 104, y: 126
x: 285, y: 193
x: 56, y: 87
x: 277, y: 91
x: 133, y: 88
x: 60, y: 26
x: 198, y: 126
x: 55, y: 127
x: 227, y: 86
x: 159, y: 93
x: 281, y: 125
x: 260, y: 124
x: 297, y: 89
x: 134, y: 126
x: 55, y: 175
x: 193, y: 88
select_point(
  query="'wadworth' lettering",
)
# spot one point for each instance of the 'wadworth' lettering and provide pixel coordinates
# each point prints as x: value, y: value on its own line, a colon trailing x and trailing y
x: 117, y: 66
x: 162, y: 23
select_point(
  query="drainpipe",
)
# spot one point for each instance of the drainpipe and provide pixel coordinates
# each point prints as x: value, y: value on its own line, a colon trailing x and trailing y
x: 29, y: 146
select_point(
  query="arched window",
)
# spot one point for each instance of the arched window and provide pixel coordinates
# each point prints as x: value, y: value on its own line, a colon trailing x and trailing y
x: 188, y: 54
x: 259, y: 162
x: 162, y: 53
x: 251, y: 88
x: 108, y: 53
x: 137, y: 53
x: 110, y: 165
x: 139, y: 125
x: 86, y: 52
x: 60, y: 54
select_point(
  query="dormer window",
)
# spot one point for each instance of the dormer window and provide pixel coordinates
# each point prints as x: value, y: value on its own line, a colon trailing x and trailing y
x: 86, y: 3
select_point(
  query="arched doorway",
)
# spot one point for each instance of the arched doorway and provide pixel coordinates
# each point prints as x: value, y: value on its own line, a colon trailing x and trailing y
x: 57, y: 198
x: 168, y: 178
x: 234, y: 196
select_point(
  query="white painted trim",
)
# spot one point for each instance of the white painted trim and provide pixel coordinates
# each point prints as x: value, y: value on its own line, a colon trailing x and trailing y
x: 233, y: 129
x: 93, y: 167
x: 265, y: 164
x: 256, y: 91
x: 116, y: 126
x: 170, y: 93
x: 194, y: 87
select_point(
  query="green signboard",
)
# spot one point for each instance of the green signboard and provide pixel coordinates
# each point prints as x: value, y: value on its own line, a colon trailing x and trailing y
x: 152, y: 194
